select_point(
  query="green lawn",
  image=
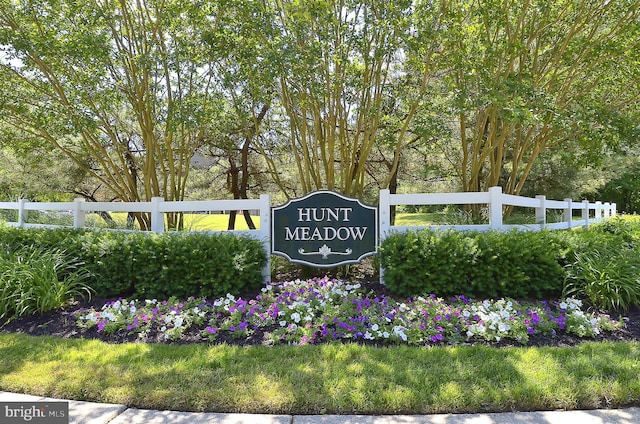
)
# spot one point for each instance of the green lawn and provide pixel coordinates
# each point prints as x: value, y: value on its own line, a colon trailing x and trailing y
x: 332, y: 378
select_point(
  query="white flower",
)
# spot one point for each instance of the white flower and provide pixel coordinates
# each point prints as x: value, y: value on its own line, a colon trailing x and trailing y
x: 399, y: 331
x: 295, y: 317
x: 374, y: 327
x: 178, y: 322
x: 283, y: 323
x: 563, y: 305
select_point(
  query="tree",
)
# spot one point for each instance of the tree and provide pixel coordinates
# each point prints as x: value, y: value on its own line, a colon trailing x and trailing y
x: 124, y: 83
x: 337, y: 66
x: 535, y: 75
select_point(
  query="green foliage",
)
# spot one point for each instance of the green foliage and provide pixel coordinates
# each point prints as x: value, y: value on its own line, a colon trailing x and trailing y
x: 624, y: 191
x: 36, y: 280
x: 428, y: 261
x: 600, y: 264
x: 608, y: 277
x: 186, y: 265
x: 518, y: 264
x: 494, y: 264
x: 154, y: 265
x: 605, y: 267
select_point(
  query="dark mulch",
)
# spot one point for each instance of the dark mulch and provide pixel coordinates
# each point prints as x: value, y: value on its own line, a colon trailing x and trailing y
x: 61, y: 324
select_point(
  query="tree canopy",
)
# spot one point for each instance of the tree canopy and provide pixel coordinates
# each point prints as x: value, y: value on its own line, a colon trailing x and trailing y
x: 347, y: 95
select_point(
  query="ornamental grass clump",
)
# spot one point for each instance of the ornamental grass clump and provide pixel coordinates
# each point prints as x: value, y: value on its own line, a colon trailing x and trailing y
x: 327, y: 310
x: 35, y: 280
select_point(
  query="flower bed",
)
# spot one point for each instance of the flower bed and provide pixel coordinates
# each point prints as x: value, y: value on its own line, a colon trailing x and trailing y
x: 321, y: 310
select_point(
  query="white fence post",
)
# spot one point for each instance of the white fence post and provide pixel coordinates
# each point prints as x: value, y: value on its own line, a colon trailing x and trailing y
x: 78, y: 214
x: 22, y: 212
x: 495, y: 207
x: 598, y: 217
x: 585, y: 212
x: 541, y: 211
x: 614, y: 209
x: 568, y: 213
x: 384, y: 221
x: 157, y: 217
x: 265, y: 233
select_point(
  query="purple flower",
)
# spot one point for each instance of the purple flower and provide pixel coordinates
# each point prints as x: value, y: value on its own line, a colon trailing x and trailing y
x: 324, y: 331
x: 211, y: 330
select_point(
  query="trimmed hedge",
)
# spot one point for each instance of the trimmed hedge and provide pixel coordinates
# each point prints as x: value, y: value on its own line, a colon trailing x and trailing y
x: 148, y: 265
x: 514, y: 264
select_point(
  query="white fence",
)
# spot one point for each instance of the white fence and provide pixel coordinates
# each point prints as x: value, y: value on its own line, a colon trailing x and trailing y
x: 495, y: 201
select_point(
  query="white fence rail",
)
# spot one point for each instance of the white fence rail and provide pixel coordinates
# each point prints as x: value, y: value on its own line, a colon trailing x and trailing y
x: 495, y: 200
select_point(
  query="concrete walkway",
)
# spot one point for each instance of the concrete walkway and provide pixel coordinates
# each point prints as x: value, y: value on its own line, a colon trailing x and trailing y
x: 97, y: 413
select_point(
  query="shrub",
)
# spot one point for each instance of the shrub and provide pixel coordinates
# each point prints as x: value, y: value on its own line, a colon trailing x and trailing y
x: 185, y: 265
x: 495, y: 264
x: 34, y: 280
x: 428, y: 261
x: 518, y: 264
x: 154, y: 265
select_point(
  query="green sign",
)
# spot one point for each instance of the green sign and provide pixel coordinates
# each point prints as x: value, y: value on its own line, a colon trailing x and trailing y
x: 324, y: 229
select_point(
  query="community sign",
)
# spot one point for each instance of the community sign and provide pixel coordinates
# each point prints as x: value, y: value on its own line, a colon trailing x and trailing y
x: 324, y: 229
